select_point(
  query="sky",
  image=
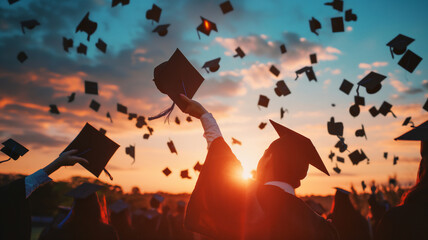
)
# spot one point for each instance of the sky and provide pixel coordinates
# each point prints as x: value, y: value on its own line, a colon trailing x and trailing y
x: 125, y: 72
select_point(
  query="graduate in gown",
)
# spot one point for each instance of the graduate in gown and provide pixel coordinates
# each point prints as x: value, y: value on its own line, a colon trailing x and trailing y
x: 224, y: 206
x: 15, y: 214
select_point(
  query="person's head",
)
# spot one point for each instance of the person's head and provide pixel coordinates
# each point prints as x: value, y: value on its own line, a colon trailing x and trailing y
x: 156, y: 201
x: 88, y: 210
x: 181, y: 206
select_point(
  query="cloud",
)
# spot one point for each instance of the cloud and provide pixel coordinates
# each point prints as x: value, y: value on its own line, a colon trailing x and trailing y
x: 372, y: 65
x: 401, y: 87
x: 225, y: 87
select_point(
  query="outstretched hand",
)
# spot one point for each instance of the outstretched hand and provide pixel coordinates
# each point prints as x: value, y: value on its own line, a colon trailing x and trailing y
x: 193, y: 108
x: 65, y: 159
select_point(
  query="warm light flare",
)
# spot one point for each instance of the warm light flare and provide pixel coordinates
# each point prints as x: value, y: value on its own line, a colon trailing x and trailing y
x: 207, y: 25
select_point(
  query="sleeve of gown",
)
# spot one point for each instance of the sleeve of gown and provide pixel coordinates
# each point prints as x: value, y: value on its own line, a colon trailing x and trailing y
x: 34, y: 181
x: 211, y: 129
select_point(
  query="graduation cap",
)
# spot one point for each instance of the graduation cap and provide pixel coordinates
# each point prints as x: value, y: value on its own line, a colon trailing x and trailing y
x: 337, y: 24
x: 132, y: 116
x: 206, y: 27
x: 150, y: 130
x: 12, y: 1
x: 274, y: 70
x: 341, y: 145
x: 166, y: 171
x: 407, y: 121
x: 340, y: 159
x: 131, y: 152
x: 393, y: 181
x: 84, y: 190
x: 385, y: 108
x: 295, y: 142
x: 357, y: 156
x: 263, y: 101
x: 141, y: 121
x: 385, y: 155
x: 122, y: 109
x: 67, y: 43
x: 109, y: 116
x: 349, y: 16
x: 399, y: 44
x: 185, y: 174
x: 53, y: 109
x: 94, y: 105
x: 29, y: 24
x: 95, y: 147
x: 343, y: 192
x: 71, y: 97
x: 154, y: 13
x: 158, y: 198
x: 395, y: 160
x: 419, y: 133
x: 331, y: 155
x: 313, y: 58
x: 91, y: 87
x: 198, y: 167
x: 354, y: 110
x: 172, y: 147
x: 236, y: 141
x: 101, y: 45
x: 282, y: 49
x: 281, y: 88
x: 309, y: 73
x: 103, y: 131
x: 226, y: 7
x: 22, y: 57
x: 372, y: 82
x: 314, y: 25
x: 188, y: 119
x: 119, y: 206
x: 146, y: 136
x: 346, y: 86
x: 174, y: 77
x: 335, y: 128
x: 162, y: 30
x: 373, y: 111
x: 114, y: 3
x: 262, y: 125
x: 336, y: 4
x: 212, y: 65
x: 82, y: 49
x: 13, y: 149
x: 363, y: 185
x: 177, y: 120
x: 87, y: 26
x: 282, y: 111
x: 360, y: 101
x: 239, y: 53
x: 409, y: 61
x: 337, y: 169
x: 361, y: 132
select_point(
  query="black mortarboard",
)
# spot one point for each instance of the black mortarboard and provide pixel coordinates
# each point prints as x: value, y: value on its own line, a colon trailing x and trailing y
x: 399, y: 44
x: 91, y: 87
x: 281, y: 88
x: 337, y: 24
x: 67, y: 43
x: 119, y: 206
x: 166, y: 171
x: 314, y: 25
x: 361, y: 101
x: 172, y: 147
x: 346, y: 86
x: 354, y: 110
x: 361, y: 132
x: 236, y: 141
x: 206, y: 27
x: 87, y: 26
x: 425, y: 106
x: 385, y: 108
x: 13, y: 149
x: 71, y: 97
x: 239, y: 53
x: 409, y: 61
x: 262, y: 125
x: 94, y: 105
x: 53, y: 109
x: 154, y: 13
x: 282, y: 111
x: 122, y: 109
x: 309, y: 73
x: 101, y: 45
x: 177, y: 120
x: 132, y: 116
x: 141, y: 121
x: 331, y: 155
x: 185, y: 174
x: 29, y: 24
x: 274, y: 70
x: 419, y: 133
x: 226, y: 7
x: 174, y: 77
x: 150, y: 130
x: 22, y: 57
x: 212, y: 65
x: 82, y: 49
x: 340, y: 159
x: 198, y: 167
x: 335, y: 128
x: 114, y: 3
x: 407, y: 121
x: 373, y: 111
x: 337, y: 169
x: 95, y: 147
x: 372, y: 82
x: 336, y: 4
x: 12, y: 1
x: 283, y: 49
x: 109, y: 116
x: 357, y: 156
x: 263, y: 101
x: 103, y: 131
x: 341, y: 145
x: 385, y: 155
x: 342, y: 191
x: 395, y: 160
x: 188, y: 119
x: 162, y: 30
x: 363, y: 185
x: 131, y: 152
x: 349, y: 16
x: 393, y: 181
x: 313, y: 58
x: 146, y: 136
x: 84, y: 190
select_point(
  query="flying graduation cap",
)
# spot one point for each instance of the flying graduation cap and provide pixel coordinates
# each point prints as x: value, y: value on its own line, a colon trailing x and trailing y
x: 146, y: 136
x: 121, y: 108
x: 358, y: 156
x: 87, y: 26
x: 373, y: 111
x: 399, y: 44
x: 274, y: 70
x: 67, y: 43
x: 346, y: 86
x: 239, y: 53
x: 385, y: 108
x: 236, y: 141
x: 82, y: 49
x: 109, y: 117
x: 281, y: 89
x: 354, y: 110
x: 313, y: 58
x: 131, y: 152
x: 262, y: 125
x: 263, y: 101
x: 282, y: 48
x: 212, y: 65
x: 282, y: 111
x: 53, y: 109
x: 331, y: 155
x: 395, y: 160
x: 29, y: 24
x: 154, y: 13
x: 340, y: 159
x: 385, y: 155
x: 166, y: 171
x: 91, y: 87
x: 114, y: 3
x: 309, y: 73
x: 337, y: 169
x: 101, y: 45
x: 188, y: 119
x: 185, y: 174
x: 361, y: 132
x: 198, y: 167
x: 372, y: 82
x: 407, y: 121
x: 349, y: 16
x: 94, y: 105
x: 336, y: 4
x: 410, y: 61
x: 335, y: 128
x: 314, y: 25
x: 206, y: 27
x: 363, y: 185
x: 419, y: 133
x: 13, y: 149
x: 12, y: 1
x: 226, y: 7
x: 341, y: 145
x: 141, y: 121
x: 22, y: 57
x: 71, y: 97
x: 337, y: 24
x: 177, y: 120
x: 162, y: 30
x: 172, y: 147
x: 132, y: 116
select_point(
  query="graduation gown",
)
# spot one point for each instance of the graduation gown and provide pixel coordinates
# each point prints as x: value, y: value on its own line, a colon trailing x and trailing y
x: 15, y: 214
x: 223, y: 206
x: 68, y: 232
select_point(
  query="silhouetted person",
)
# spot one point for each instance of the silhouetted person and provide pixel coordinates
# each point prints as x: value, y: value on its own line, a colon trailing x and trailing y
x: 224, y: 206
x: 151, y: 218
x: 349, y: 223
x: 121, y: 221
x: 378, y: 207
x: 410, y: 219
x: 15, y: 214
x: 178, y: 230
x: 164, y: 230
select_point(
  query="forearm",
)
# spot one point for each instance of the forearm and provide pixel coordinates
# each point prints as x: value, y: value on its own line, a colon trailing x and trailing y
x: 34, y: 181
x: 211, y: 129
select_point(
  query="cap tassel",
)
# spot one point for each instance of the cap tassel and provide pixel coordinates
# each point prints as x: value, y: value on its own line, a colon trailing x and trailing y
x: 297, y: 76
x: 66, y: 218
x: 163, y: 113
x: 198, y: 34
x: 392, y: 54
x: 108, y: 174
x: 393, y: 114
x: 5, y: 160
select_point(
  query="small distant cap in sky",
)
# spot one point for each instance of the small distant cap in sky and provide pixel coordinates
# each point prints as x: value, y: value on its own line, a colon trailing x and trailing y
x: 226, y: 7
x: 87, y: 26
